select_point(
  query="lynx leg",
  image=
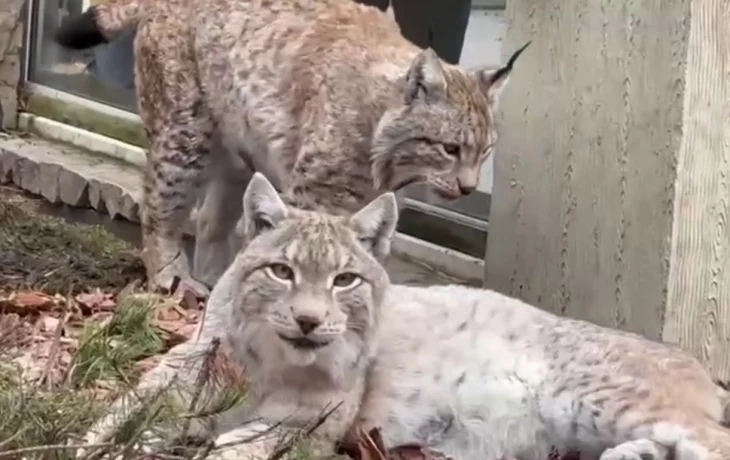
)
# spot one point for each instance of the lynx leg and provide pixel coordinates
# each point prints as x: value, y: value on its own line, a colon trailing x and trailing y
x: 180, y: 128
x: 216, y: 241
x: 168, y: 190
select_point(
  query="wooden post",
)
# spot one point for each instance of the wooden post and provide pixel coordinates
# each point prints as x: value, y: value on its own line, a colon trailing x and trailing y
x: 612, y: 173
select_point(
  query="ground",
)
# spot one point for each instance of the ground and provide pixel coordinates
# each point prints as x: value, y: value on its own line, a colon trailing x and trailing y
x: 48, y: 253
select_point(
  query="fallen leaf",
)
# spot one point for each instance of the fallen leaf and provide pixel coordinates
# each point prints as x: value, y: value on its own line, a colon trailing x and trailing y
x: 177, y: 331
x: 96, y: 300
x: 179, y: 324
x: 190, y: 301
x: 168, y: 314
x: 26, y: 302
x: 48, y: 323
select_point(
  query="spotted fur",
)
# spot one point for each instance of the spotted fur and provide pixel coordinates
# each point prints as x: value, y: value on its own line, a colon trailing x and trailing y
x: 325, y: 97
x: 307, y: 311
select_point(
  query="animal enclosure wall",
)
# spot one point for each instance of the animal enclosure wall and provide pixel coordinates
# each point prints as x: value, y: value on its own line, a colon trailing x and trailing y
x: 611, y: 194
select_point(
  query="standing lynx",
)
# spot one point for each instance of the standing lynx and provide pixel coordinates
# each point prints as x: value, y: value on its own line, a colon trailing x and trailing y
x: 324, y: 97
x: 307, y: 311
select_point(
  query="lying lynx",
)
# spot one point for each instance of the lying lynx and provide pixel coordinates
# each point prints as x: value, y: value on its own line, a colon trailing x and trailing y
x: 325, y: 97
x: 308, y: 312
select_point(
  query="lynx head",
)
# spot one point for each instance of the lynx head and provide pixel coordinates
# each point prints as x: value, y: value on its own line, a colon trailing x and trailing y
x: 310, y: 285
x: 443, y: 129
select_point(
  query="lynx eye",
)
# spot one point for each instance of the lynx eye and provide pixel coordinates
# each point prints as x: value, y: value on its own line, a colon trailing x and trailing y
x: 452, y: 149
x: 281, y: 271
x: 345, y: 279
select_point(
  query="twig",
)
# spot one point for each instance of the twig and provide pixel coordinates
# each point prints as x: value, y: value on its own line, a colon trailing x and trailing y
x: 16, y: 435
x: 203, y: 377
x: 287, y: 446
x: 375, y: 442
x: 205, y: 450
x: 46, y: 376
x: 140, y: 432
x: 28, y: 450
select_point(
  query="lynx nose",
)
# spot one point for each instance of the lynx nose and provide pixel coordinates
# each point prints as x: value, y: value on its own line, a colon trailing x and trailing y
x: 466, y: 189
x: 307, y: 323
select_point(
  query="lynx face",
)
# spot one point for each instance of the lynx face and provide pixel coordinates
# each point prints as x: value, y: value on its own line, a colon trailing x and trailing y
x: 308, y: 297
x: 443, y: 131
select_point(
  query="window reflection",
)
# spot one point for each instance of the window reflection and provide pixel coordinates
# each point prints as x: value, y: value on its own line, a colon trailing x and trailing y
x: 103, y: 74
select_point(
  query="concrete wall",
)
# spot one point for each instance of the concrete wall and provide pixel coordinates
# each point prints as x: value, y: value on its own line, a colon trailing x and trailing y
x: 11, y: 39
x: 610, y: 193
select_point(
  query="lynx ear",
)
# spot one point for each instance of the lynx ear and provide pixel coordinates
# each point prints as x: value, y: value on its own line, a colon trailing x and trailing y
x: 262, y: 207
x: 425, y: 77
x: 375, y: 224
x: 493, y: 81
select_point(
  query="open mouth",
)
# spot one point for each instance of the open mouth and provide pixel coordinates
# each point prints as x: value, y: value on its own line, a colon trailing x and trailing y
x: 303, y: 343
x: 448, y: 193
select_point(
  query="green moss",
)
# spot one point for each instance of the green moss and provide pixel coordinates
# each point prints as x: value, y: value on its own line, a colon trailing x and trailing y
x: 89, y: 119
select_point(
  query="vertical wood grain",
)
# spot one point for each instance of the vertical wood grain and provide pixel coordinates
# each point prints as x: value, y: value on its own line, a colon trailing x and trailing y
x: 698, y: 307
x: 591, y: 125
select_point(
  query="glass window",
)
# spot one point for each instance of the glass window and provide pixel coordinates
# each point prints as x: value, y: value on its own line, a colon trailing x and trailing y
x: 103, y: 74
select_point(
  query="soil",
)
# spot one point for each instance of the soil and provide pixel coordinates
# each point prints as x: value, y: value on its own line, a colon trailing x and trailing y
x: 46, y: 253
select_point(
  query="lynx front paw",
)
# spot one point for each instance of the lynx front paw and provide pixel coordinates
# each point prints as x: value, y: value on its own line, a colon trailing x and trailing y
x: 176, y: 276
x: 640, y: 449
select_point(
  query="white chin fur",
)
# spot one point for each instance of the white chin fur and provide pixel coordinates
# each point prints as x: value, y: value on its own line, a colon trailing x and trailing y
x: 299, y: 357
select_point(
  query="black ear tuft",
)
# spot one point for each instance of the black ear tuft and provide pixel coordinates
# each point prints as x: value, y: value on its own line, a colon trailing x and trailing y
x: 80, y: 32
x: 504, y: 71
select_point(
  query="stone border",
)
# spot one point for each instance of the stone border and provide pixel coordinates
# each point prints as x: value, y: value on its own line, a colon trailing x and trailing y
x: 70, y: 176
